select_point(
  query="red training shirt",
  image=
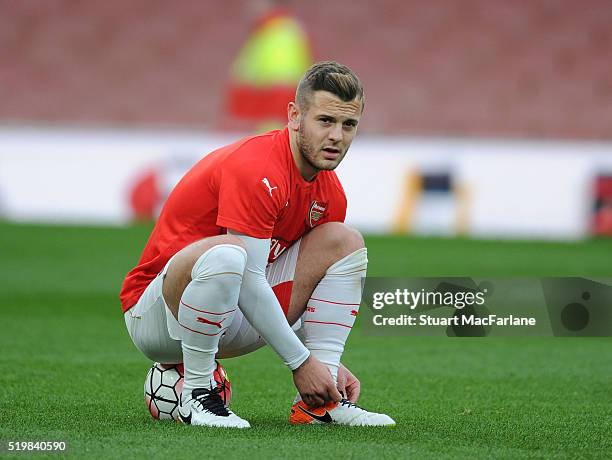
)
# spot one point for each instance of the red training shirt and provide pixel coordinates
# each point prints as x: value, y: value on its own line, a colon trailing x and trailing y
x: 253, y: 187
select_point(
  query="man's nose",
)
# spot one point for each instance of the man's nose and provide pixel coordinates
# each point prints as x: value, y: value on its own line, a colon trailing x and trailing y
x: 335, y: 133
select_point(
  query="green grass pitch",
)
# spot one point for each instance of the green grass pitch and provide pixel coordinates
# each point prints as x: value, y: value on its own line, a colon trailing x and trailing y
x: 69, y: 370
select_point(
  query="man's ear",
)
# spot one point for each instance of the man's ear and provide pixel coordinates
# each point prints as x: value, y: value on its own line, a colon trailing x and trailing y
x: 293, y: 116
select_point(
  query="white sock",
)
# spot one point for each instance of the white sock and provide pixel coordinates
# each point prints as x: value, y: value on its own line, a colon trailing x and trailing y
x: 206, y: 310
x: 332, y: 309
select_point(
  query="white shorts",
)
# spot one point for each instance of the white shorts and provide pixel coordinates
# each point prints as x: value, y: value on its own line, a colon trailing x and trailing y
x: 155, y: 331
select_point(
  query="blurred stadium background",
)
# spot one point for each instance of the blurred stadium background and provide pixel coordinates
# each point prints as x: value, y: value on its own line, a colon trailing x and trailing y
x: 486, y: 118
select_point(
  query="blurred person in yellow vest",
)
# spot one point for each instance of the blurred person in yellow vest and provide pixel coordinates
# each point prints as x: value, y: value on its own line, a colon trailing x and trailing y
x: 268, y: 68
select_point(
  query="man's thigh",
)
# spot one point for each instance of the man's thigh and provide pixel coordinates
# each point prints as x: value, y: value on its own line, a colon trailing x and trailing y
x: 148, y: 324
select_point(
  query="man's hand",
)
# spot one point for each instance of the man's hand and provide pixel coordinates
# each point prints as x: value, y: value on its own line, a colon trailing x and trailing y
x: 348, y: 384
x: 315, y: 383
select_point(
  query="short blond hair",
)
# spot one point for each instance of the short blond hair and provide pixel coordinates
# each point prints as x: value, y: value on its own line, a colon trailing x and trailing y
x: 332, y: 77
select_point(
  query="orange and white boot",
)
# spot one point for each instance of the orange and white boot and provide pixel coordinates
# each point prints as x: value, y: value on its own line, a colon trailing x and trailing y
x: 341, y: 413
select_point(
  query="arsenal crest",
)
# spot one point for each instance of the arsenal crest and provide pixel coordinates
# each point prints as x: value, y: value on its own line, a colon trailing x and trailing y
x: 317, y: 210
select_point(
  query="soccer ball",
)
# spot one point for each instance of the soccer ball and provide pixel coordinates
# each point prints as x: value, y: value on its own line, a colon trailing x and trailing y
x: 223, y: 383
x: 164, y: 384
x: 162, y: 389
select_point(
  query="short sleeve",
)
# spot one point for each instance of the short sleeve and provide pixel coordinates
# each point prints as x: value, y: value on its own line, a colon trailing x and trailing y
x: 249, y: 198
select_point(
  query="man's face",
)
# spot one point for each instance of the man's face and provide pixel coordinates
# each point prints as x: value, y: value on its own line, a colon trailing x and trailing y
x: 326, y: 130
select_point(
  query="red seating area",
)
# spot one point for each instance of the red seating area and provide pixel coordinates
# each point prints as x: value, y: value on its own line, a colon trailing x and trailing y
x: 539, y: 68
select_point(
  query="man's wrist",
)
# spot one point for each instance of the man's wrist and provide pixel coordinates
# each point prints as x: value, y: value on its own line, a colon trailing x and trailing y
x: 299, y: 363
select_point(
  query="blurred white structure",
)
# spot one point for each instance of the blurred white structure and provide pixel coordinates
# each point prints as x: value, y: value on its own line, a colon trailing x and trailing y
x: 516, y: 189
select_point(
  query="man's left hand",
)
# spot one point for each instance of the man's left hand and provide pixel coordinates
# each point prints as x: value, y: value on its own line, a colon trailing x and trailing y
x: 348, y: 384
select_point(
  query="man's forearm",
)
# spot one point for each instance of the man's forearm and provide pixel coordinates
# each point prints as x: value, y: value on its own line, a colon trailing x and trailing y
x: 262, y: 309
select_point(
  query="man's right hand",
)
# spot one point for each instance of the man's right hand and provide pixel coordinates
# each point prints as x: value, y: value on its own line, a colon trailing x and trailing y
x: 315, y: 383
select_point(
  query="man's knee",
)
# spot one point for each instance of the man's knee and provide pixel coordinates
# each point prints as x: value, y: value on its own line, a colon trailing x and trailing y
x: 340, y: 238
x: 221, y: 259
x: 222, y: 265
x: 202, y: 260
x: 189, y: 260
